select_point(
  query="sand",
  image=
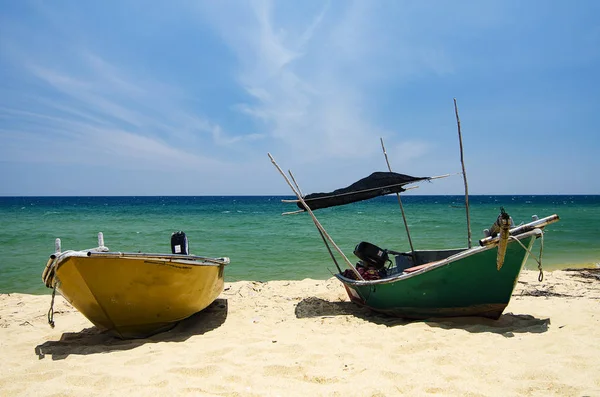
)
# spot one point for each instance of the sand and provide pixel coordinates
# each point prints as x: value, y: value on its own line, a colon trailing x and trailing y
x: 286, y: 338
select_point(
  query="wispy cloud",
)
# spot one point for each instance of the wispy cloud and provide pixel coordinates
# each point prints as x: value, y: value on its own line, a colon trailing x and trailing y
x: 102, y: 108
x: 317, y: 80
x: 310, y: 77
x: 215, y: 85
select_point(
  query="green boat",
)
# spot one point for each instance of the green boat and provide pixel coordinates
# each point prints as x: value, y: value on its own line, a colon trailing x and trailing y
x: 472, y: 281
x: 447, y: 283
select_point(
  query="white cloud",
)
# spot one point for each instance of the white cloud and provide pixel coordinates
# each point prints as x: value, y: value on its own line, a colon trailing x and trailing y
x: 316, y: 83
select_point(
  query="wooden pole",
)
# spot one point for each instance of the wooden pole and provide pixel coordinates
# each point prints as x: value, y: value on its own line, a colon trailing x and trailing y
x: 315, y: 220
x: 320, y: 232
x: 412, y: 249
x: 538, y: 224
x: 464, y: 172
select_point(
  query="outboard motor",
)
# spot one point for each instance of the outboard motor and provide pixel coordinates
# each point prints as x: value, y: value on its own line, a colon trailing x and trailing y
x: 179, y: 243
x: 371, y: 254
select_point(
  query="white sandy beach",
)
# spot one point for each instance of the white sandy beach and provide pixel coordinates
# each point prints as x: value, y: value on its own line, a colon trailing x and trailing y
x: 305, y: 338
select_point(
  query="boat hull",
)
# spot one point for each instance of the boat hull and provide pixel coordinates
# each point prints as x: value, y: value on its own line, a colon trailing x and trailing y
x: 468, y: 284
x: 135, y: 297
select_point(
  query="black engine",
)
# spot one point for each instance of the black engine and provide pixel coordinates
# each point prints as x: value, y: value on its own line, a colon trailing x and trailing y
x: 371, y: 255
x: 179, y: 243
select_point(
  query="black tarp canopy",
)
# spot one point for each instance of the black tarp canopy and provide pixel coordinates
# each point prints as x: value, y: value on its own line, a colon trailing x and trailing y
x: 374, y: 185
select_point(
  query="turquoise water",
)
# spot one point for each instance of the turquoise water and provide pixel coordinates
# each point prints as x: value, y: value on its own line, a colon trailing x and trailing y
x: 264, y: 245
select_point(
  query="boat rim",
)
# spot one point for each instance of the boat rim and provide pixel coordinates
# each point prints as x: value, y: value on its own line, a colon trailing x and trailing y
x: 537, y: 232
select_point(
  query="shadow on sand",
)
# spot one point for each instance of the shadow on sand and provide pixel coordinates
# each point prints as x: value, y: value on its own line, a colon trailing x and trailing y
x: 507, y: 325
x: 92, y: 340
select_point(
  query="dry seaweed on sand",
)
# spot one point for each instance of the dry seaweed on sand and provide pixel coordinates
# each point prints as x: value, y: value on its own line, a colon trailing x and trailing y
x: 591, y: 273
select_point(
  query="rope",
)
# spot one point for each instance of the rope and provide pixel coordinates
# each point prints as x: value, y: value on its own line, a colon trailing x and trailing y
x: 51, y: 311
x: 539, y: 262
x: 541, y: 275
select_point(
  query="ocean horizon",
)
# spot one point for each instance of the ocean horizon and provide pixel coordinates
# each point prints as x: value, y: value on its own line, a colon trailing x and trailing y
x: 264, y: 245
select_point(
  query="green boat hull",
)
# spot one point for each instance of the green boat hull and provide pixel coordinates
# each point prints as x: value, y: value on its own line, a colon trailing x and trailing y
x: 466, y: 284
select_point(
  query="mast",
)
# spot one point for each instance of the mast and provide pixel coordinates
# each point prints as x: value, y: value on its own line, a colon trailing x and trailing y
x: 315, y: 220
x: 464, y: 172
x: 412, y: 249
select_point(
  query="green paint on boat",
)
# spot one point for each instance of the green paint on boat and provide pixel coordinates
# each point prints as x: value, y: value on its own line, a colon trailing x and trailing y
x: 468, y: 285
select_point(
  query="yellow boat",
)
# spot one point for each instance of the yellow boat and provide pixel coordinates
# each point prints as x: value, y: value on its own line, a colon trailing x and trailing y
x: 134, y: 295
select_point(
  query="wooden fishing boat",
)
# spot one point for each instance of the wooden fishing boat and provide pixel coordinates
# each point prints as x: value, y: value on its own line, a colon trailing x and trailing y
x: 471, y: 281
x: 134, y: 295
x: 476, y: 281
x: 448, y: 283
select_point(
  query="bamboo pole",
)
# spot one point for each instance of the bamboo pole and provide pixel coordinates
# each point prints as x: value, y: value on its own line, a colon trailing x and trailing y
x: 296, y: 183
x: 320, y: 232
x: 538, y: 224
x: 315, y: 220
x: 464, y: 172
x: 412, y: 248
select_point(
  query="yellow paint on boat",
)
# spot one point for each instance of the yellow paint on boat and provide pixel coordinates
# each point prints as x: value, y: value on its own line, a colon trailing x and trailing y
x: 137, y: 296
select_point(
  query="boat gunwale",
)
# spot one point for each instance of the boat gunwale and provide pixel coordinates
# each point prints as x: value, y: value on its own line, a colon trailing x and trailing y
x: 59, y: 258
x: 537, y: 232
x: 191, y: 259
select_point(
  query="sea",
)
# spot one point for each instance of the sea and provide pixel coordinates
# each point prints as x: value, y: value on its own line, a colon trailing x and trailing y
x: 264, y: 245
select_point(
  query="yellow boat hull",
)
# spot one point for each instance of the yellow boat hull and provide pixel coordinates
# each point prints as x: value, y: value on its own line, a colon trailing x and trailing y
x: 135, y: 297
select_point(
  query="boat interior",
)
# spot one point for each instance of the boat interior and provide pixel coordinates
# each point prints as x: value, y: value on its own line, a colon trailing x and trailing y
x: 378, y: 263
x: 407, y: 262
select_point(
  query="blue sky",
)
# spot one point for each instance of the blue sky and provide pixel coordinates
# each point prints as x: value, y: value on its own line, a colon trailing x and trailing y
x: 186, y: 97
